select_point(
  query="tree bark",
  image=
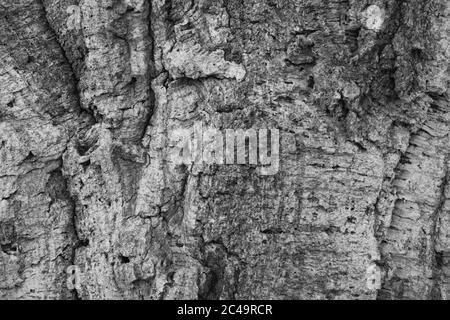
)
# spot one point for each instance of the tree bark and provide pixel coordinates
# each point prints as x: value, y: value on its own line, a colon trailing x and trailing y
x: 91, y: 92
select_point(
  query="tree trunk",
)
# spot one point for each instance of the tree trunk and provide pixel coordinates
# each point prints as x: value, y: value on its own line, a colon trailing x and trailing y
x: 93, y: 206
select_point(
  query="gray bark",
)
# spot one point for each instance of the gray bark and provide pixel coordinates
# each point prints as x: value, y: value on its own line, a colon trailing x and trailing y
x: 90, y: 92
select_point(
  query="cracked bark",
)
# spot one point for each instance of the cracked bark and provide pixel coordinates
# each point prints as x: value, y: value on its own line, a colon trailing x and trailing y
x: 359, y: 92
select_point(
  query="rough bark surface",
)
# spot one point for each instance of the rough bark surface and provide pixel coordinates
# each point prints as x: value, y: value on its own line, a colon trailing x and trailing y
x: 90, y: 92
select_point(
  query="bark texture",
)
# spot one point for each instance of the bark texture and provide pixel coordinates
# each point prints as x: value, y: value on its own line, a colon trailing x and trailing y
x: 90, y: 92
